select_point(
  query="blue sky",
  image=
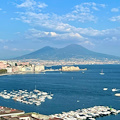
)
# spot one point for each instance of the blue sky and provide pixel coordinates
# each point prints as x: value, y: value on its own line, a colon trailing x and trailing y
x: 28, y: 25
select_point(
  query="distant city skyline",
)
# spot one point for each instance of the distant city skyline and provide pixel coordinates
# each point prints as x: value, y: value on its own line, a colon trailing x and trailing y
x: 28, y: 25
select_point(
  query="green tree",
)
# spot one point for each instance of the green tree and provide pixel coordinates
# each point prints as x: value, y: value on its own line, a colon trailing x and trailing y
x: 2, y: 71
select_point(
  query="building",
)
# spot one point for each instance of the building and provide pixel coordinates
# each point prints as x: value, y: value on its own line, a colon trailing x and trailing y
x: 3, y: 65
x: 23, y: 64
x: 21, y: 117
x: 5, y: 111
x: 9, y: 69
x: 39, y: 68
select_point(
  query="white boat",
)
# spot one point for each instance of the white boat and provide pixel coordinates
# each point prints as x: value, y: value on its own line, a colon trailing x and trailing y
x: 38, y: 103
x: 114, y: 89
x: 117, y: 94
x: 32, y: 97
x: 102, y: 73
x: 49, y: 97
x: 105, y: 88
x: 6, y: 97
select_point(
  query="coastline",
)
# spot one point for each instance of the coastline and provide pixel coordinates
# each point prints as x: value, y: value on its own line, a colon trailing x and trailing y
x: 14, y: 73
x: 5, y: 74
x: 91, y: 113
x: 21, y: 73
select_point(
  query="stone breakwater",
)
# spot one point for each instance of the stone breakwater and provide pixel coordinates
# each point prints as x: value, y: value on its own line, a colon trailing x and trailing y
x: 86, y: 114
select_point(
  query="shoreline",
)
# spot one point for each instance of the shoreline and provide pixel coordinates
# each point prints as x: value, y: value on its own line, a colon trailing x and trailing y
x: 55, y: 69
x: 91, y: 113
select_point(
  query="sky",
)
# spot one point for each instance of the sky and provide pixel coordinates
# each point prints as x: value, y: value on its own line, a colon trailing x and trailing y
x: 29, y: 25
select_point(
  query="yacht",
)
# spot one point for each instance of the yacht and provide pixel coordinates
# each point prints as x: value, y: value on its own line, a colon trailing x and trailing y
x: 117, y: 94
x: 105, y: 88
x: 114, y: 89
x: 49, y: 97
x: 102, y: 73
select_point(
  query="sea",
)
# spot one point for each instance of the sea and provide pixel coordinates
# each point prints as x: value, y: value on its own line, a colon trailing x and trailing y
x: 72, y: 90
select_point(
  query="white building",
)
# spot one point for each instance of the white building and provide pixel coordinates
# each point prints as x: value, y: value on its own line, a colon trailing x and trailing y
x: 9, y: 69
x: 39, y: 68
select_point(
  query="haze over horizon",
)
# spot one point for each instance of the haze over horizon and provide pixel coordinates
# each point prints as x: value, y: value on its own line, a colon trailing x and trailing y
x: 28, y: 25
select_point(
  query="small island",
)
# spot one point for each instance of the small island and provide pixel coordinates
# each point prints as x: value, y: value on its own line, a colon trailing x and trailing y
x: 72, y: 68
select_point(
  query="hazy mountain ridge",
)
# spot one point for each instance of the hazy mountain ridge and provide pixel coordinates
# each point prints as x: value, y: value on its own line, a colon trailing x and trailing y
x: 68, y: 52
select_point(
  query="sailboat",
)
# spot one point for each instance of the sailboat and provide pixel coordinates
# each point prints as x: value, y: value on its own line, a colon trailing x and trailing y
x: 102, y: 73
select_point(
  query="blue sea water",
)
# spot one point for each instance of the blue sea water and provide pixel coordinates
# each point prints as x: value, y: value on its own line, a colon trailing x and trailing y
x: 67, y: 87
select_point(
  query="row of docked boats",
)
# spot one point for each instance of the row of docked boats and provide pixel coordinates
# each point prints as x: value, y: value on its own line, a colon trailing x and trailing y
x: 86, y: 114
x: 32, y: 97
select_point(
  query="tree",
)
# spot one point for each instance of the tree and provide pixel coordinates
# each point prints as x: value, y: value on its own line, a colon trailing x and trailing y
x: 2, y: 71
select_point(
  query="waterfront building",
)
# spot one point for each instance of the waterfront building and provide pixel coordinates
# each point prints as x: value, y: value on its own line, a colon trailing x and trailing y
x: 15, y: 69
x: 9, y: 69
x: 4, y: 65
x: 23, y: 64
x: 5, y: 111
x: 39, y: 68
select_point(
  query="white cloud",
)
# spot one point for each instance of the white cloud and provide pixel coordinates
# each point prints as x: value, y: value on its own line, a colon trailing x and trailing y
x: 55, y: 27
x: 115, y: 18
x: 42, y: 5
x: 102, y: 5
x: 52, y: 36
x: 37, y: 34
x: 83, y: 12
x: 77, y: 35
x: 32, y: 5
x: 27, y: 4
x: 115, y: 10
x: 114, y: 38
x: 15, y: 18
x: 95, y: 8
x: 0, y: 9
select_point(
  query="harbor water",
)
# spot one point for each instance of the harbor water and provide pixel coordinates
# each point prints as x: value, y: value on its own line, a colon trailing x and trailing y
x: 72, y: 90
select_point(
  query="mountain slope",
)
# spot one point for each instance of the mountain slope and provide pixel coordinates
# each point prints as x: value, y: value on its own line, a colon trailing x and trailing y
x: 43, y: 53
x: 68, y: 52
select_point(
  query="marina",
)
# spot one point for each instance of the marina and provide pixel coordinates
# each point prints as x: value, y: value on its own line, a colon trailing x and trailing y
x: 33, y: 97
x: 87, y: 114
